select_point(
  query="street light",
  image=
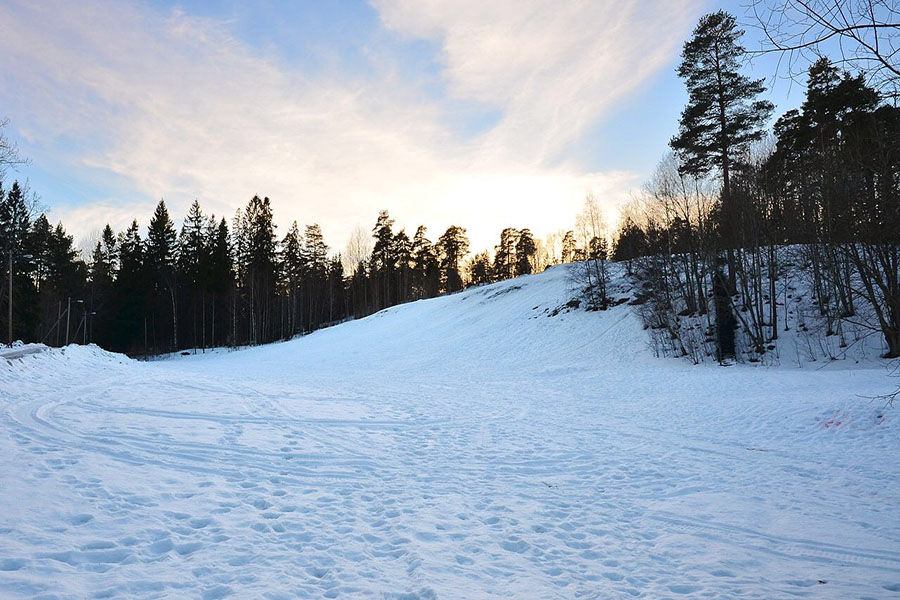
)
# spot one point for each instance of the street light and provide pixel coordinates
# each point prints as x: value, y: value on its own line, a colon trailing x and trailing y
x: 13, y: 258
x: 69, y: 317
x: 90, y: 334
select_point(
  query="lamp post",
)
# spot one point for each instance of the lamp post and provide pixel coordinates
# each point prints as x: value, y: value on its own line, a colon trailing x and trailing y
x: 12, y: 258
x: 69, y: 317
x: 85, y: 324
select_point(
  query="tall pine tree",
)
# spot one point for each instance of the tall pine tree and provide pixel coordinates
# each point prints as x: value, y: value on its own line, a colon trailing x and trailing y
x: 722, y: 116
x: 720, y: 120
x: 453, y: 247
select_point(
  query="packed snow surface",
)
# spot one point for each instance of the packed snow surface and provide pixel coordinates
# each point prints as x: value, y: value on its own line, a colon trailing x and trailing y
x: 469, y: 446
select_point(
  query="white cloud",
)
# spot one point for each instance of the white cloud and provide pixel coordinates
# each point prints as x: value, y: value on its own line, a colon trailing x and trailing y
x: 183, y: 110
x: 553, y: 68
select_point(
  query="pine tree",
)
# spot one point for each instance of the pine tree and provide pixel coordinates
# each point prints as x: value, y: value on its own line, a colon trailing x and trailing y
x: 383, y: 260
x: 722, y: 116
x: 316, y: 276
x: 568, y: 247
x: 480, y: 269
x: 720, y: 120
x: 402, y: 252
x: 426, y: 272
x: 316, y: 249
x: 505, y: 254
x: 834, y: 176
x: 526, y: 249
x: 293, y: 268
x: 336, y: 289
x: 630, y: 243
x: 453, y: 247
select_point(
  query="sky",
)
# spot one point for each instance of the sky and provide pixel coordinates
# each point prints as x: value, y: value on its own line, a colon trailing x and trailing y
x: 479, y: 114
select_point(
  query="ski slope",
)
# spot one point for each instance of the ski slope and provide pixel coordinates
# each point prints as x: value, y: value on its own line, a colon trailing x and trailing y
x: 469, y: 446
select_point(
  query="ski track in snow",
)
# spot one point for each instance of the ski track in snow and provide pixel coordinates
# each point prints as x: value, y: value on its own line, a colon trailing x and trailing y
x: 461, y: 447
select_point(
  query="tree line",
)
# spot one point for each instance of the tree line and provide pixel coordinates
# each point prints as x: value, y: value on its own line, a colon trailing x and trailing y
x: 211, y: 282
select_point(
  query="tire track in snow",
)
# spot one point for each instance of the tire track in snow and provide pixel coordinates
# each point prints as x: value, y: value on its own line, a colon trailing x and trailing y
x: 787, y: 548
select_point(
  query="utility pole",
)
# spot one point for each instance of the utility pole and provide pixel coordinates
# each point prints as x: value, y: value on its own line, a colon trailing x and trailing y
x: 10, y: 299
x: 68, y: 318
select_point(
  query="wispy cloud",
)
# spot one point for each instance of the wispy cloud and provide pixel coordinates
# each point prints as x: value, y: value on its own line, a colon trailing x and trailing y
x: 552, y: 68
x: 178, y: 106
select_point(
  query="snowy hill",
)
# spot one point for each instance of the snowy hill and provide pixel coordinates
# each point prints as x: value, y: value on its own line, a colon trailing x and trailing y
x: 468, y: 446
x: 504, y: 326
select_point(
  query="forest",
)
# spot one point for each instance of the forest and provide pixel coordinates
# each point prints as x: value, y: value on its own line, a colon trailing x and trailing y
x: 213, y: 283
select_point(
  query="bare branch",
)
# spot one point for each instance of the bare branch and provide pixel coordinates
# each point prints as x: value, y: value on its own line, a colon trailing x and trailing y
x: 9, y: 151
x: 864, y: 34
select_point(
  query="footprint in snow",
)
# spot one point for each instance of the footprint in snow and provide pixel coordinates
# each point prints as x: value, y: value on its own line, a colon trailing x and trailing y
x: 160, y: 547
x: 80, y: 519
x: 684, y: 588
x: 11, y: 564
x: 514, y: 545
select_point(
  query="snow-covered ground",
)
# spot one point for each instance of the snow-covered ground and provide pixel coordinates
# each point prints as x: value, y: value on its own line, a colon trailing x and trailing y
x: 469, y: 446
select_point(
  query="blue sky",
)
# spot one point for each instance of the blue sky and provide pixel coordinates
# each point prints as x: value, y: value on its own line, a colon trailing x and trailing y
x: 484, y: 115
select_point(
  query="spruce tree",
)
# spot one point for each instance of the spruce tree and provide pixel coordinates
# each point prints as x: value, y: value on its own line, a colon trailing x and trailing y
x: 192, y: 267
x: 101, y: 280
x: 220, y: 280
x: 15, y: 225
x: 192, y: 248
x: 160, y: 263
x: 15, y: 221
x: 39, y: 247
x: 161, y: 238
x: 130, y: 292
x: 260, y: 246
